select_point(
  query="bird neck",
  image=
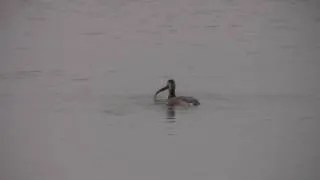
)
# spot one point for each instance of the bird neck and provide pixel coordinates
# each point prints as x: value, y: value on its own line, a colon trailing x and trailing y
x: 172, y: 93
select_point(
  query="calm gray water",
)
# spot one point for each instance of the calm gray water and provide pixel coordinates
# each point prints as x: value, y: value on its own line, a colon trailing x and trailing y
x: 77, y: 79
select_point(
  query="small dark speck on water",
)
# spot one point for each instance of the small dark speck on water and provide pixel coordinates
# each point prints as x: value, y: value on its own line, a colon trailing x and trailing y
x: 36, y: 19
x: 267, y: 119
x: 173, y: 30
x: 32, y: 71
x: 171, y: 134
x: 212, y: 26
x: 80, y: 79
x: 21, y: 48
x: 93, y: 34
x: 252, y: 53
x: 306, y: 118
x: 114, y: 113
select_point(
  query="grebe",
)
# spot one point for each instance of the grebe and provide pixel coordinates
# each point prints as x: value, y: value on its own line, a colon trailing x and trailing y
x: 173, y: 100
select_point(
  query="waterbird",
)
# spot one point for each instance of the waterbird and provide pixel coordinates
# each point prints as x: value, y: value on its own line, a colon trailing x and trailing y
x: 174, y: 100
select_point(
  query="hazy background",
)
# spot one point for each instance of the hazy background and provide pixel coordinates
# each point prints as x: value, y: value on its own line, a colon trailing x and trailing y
x: 77, y: 79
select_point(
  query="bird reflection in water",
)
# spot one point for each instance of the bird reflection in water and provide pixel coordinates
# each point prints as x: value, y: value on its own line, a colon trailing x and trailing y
x: 171, y: 120
x: 171, y: 114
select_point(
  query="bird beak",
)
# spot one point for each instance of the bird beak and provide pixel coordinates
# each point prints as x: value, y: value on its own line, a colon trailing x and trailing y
x: 160, y: 90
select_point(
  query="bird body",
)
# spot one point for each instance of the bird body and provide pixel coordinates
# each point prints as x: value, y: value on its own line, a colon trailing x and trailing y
x: 174, y: 100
